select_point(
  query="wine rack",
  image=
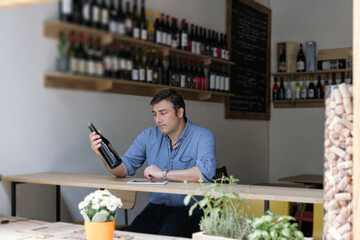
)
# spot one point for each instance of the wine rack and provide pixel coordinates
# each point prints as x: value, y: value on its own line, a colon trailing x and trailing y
x: 51, y: 29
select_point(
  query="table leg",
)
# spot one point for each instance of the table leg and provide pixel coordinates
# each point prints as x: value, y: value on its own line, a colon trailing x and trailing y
x: 57, y: 203
x: 13, y: 199
x: 266, y: 205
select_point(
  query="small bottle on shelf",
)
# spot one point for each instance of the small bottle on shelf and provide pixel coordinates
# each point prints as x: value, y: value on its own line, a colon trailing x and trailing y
x: 319, y: 89
x: 288, y: 90
x: 300, y: 60
x: 281, y: 89
x: 297, y: 89
x: 275, y: 90
x: 303, y: 94
x: 311, y: 89
x: 282, y: 61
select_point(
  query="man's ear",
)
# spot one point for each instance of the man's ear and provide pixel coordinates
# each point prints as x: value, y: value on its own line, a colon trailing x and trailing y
x: 180, y: 112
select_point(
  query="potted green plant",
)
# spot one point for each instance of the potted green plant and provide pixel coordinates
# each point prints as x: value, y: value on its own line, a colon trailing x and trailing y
x: 62, y: 62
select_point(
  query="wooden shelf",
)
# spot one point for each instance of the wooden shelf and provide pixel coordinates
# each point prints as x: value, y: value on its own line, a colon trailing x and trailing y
x: 294, y: 74
x: 51, y: 29
x: 305, y: 103
x: 97, y: 84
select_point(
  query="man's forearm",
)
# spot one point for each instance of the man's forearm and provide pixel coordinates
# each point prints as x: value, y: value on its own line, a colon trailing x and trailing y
x: 119, y: 171
x: 192, y: 174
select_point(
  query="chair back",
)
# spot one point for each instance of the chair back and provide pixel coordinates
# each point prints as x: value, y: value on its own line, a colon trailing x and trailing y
x: 219, y: 172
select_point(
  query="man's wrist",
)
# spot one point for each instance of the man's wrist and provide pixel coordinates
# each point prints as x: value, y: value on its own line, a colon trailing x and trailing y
x: 164, y: 174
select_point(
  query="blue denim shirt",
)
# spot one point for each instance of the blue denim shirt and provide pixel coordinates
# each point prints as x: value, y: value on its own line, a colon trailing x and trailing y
x: 195, y: 147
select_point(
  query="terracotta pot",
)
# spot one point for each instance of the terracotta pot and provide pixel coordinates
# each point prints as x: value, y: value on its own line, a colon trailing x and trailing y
x: 99, y: 230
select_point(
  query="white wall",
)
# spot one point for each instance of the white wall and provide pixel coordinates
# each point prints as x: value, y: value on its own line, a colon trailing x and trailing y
x: 296, y: 135
x: 45, y: 129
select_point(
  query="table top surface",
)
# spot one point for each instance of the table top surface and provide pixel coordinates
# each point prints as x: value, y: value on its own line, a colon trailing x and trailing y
x: 304, y: 178
x: 271, y: 193
x: 23, y: 228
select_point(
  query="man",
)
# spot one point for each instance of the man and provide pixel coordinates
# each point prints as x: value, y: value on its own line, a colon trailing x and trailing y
x: 175, y: 150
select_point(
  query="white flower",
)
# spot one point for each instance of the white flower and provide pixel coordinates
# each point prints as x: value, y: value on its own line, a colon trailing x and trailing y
x: 82, y: 205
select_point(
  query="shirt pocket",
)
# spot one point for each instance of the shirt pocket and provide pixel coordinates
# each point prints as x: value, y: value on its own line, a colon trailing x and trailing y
x: 186, y: 162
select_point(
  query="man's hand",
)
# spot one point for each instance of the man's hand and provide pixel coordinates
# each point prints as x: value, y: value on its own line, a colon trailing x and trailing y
x: 95, y: 142
x: 152, y: 171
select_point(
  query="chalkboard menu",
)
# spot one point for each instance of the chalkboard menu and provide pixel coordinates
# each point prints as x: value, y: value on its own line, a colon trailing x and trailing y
x: 248, y: 28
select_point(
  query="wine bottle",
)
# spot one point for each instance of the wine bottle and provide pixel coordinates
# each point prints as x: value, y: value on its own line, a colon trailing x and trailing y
x: 203, y: 78
x: 197, y: 37
x: 326, y: 83
x: 182, y: 72
x: 189, y: 73
x: 282, y: 61
x: 174, y: 33
x: 72, y: 54
x: 281, y: 89
x: 217, y: 78
x: 141, y: 66
x: 183, y: 35
x: 297, y: 89
x: 143, y: 24
x: 160, y: 70
x: 198, y: 76
x: 318, y: 89
x: 128, y: 21
x: 288, y: 90
x: 175, y: 75
x: 222, y: 79
x: 121, y: 19
x: 95, y: 14
x: 107, y: 151
x: 104, y: 13
x: 158, y: 29
x: 275, y: 90
x: 227, y: 80
x: 114, y: 61
x: 303, y: 94
x: 107, y: 61
x: 77, y: 14
x: 122, y: 62
x: 85, y: 13
x: 113, y: 19
x: 66, y: 10
x: 91, y: 58
x: 164, y: 30
x: 192, y: 38
x: 148, y: 67
x: 218, y: 46
x: 150, y: 27
x: 189, y: 40
x: 169, y: 75
x: 99, y: 59
x: 136, y: 65
x: 227, y: 55
x: 81, y: 55
x: 311, y: 89
x: 129, y: 64
x: 202, y: 41
x: 168, y: 33
x: 300, y: 60
x: 214, y: 45
x: 135, y: 21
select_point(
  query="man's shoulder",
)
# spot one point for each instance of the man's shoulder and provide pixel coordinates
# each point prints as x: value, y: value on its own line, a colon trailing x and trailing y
x: 199, y: 129
x: 150, y: 131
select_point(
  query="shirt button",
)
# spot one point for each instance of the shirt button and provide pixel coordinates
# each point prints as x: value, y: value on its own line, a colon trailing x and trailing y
x: 171, y: 160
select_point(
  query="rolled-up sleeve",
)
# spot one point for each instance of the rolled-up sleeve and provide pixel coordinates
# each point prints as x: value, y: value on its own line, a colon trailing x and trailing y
x: 135, y: 155
x: 206, y: 160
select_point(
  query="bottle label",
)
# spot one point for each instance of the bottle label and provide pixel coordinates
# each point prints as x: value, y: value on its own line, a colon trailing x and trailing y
x: 121, y: 28
x: 222, y: 83
x: 73, y: 65
x: 193, y: 46
x: 223, y: 54
x: 282, y: 67
x: 227, y: 84
x: 66, y: 7
x: 91, y: 67
x: 198, y: 83
x: 143, y: 34
x: 104, y: 16
x: 168, y: 42
x: 198, y: 47
x: 303, y: 94
x: 174, y: 43
x: 156, y: 76
x: 122, y: 64
x: 227, y: 55
x: 182, y: 80
x: 136, y: 32
x: 135, y: 75
x: 129, y: 65
x: 212, y: 82
x: 107, y: 63
x: 184, y: 39
x: 95, y: 14
x: 217, y: 82
x: 215, y: 52
x: 158, y: 37
x: 203, y: 83
x: 128, y: 25
x: 297, y: 94
x: 99, y: 68
x: 164, y: 38
x: 86, y: 11
x: 82, y: 66
x: 114, y: 64
x: 311, y: 93
x: 300, y: 66
x: 288, y: 94
x: 149, y: 75
x: 188, y: 82
x: 142, y: 74
x: 113, y: 27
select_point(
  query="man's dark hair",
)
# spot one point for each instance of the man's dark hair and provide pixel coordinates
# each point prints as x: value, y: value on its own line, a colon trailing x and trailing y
x: 175, y: 99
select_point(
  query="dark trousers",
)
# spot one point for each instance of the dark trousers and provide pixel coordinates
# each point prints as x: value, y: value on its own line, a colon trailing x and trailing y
x: 164, y: 220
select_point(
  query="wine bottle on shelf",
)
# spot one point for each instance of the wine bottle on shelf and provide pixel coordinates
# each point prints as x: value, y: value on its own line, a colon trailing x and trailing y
x: 303, y: 93
x: 107, y: 151
x: 203, y: 77
x: 192, y: 38
x: 114, y: 61
x: 136, y: 65
x: 195, y: 74
x: 129, y: 64
x: 227, y: 55
x: 227, y: 80
x: 99, y: 58
x: 326, y: 83
x: 168, y: 32
x: 84, y: 12
x: 189, y: 40
x: 141, y: 66
x: 297, y: 89
x: 170, y: 71
x: 222, y: 79
x: 319, y: 89
x: 202, y: 41
x: 275, y: 90
x: 148, y: 67
x: 182, y: 72
x: 142, y: 22
x: 120, y: 19
x: 71, y: 53
x: 91, y: 58
x: 135, y: 21
x: 128, y: 21
x: 300, y: 60
x: 311, y: 89
x: 164, y: 31
x: 150, y: 27
x: 198, y: 76
x: 113, y: 19
x: 81, y: 55
x: 218, y: 46
x: 122, y: 62
x: 208, y: 44
x: 104, y: 13
x: 214, y: 42
x: 222, y: 52
x: 95, y: 14
x: 217, y: 78
x: 205, y: 42
x: 174, y: 34
x: 107, y: 61
x: 158, y: 29
x: 176, y: 73
x: 282, y: 61
x: 160, y: 69
x: 65, y: 10
x: 288, y: 90
x: 197, y: 37
x: 189, y: 73
x: 281, y: 89
x: 183, y: 35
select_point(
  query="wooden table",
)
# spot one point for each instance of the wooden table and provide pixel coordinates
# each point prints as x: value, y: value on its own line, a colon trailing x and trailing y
x: 306, y: 179
x: 22, y: 228
x: 109, y: 182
